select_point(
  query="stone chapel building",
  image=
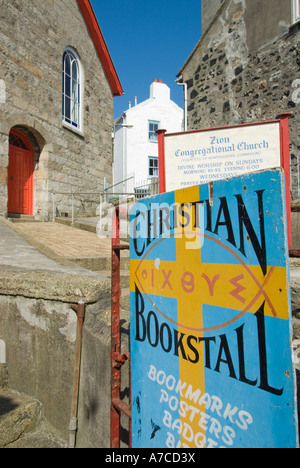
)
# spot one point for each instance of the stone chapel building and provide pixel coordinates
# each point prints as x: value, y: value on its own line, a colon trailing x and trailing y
x: 246, y: 68
x: 57, y: 86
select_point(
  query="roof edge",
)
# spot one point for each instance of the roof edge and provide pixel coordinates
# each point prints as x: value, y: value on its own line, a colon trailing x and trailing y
x: 100, y: 45
x: 201, y: 39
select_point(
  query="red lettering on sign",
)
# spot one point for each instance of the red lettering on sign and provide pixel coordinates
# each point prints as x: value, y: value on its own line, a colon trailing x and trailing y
x: 167, y: 279
x: 211, y: 283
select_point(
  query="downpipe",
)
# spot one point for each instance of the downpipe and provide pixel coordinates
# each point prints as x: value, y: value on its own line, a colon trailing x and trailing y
x: 180, y: 82
x: 80, y: 311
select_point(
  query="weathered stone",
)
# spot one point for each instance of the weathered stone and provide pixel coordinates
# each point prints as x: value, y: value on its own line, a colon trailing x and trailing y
x: 259, y: 78
x: 54, y: 287
x: 33, y: 39
x: 18, y: 415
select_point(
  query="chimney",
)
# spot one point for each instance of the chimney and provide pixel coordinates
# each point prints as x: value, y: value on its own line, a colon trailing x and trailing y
x: 129, y: 104
x: 155, y: 80
x: 135, y: 100
x: 159, y: 90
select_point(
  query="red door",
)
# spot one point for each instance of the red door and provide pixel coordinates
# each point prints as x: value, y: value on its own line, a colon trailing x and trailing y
x: 20, y: 175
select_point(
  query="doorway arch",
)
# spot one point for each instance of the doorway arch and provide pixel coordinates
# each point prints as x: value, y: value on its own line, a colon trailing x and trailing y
x: 20, y: 174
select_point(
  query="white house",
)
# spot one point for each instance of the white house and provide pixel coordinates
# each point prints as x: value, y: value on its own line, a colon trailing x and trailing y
x: 135, y: 140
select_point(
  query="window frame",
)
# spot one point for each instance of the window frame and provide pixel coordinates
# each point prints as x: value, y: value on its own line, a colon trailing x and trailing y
x: 74, y: 120
x: 152, y: 132
x: 152, y: 167
x: 296, y: 10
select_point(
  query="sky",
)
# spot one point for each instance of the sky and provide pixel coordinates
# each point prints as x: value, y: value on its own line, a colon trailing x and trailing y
x: 148, y: 40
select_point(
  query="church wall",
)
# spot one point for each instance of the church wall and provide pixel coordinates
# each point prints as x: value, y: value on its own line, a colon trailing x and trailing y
x: 244, y: 70
x: 33, y: 36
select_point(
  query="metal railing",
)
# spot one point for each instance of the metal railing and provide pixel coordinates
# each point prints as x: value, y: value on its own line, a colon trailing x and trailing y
x: 123, y: 184
x: 147, y: 188
x: 79, y: 199
x: 88, y: 204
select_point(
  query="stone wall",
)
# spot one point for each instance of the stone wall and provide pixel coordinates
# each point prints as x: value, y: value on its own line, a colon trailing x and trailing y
x: 38, y: 330
x: 33, y: 36
x: 243, y: 70
x: 209, y: 9
x: 95, y: 389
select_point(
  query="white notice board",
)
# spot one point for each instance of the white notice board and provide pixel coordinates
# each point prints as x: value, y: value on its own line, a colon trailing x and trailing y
x: 199, y: 157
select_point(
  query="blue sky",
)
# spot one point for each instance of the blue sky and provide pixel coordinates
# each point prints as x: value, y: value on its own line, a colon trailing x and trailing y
x: 147, y: 40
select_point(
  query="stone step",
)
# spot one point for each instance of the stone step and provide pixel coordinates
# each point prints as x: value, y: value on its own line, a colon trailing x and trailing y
x: 124, y: 277
x: 20, y: 218
x: 87, y: 225
x: 19, y: 415
x: 97, y: 264
x: 41, y: 438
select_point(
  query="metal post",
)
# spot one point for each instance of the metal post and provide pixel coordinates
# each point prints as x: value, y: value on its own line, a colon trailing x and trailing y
x: 117, y: 359
x: 115, y: 333
x: 72, y: 207
x: 80, y: 311
x: 53, y: 207
x: 286, y: 165
x: 161, y: 160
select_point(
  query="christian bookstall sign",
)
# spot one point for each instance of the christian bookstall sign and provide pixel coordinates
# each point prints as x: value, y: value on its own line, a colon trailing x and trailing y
x: 211, y: 317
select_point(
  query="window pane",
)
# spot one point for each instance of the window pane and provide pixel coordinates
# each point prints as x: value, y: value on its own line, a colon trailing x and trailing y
x: 71, y: 90
x: 153, y: 167
x: 74, y: 91
x: 67, y: 64
x: 74, y: 70
x: 67, y: 86
x: 74, y: 114
x: 153, y: 126
x: 67, y: 108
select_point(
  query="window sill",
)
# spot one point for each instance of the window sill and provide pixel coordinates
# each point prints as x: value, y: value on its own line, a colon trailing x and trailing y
x: 73, y: 129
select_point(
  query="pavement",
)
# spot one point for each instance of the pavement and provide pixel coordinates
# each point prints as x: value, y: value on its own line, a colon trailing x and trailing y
x: 52, y: 247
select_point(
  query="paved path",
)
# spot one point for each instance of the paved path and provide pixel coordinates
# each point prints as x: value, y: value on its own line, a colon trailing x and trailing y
x: 65, y: 241
x: 61, y: 244
x: 56, y: 241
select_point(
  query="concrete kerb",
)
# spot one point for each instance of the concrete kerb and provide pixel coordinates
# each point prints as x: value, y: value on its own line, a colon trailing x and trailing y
x: 53, y: 286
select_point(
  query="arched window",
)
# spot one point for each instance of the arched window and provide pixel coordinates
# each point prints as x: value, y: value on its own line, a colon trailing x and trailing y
x: 71, y: 89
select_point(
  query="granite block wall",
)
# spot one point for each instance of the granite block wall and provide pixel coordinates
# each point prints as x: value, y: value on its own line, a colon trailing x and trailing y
x: 33, y: 36
x: 245, y: 71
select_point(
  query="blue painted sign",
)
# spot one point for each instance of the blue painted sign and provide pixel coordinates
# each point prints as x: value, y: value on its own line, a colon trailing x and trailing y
x: 211, y: 326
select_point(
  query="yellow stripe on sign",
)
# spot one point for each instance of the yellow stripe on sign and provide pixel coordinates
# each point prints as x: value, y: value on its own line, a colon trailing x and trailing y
x: 188, y: 259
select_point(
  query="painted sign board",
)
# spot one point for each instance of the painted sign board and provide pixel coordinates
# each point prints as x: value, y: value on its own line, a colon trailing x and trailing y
x: 211, y: 327
x: 200, y: 157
